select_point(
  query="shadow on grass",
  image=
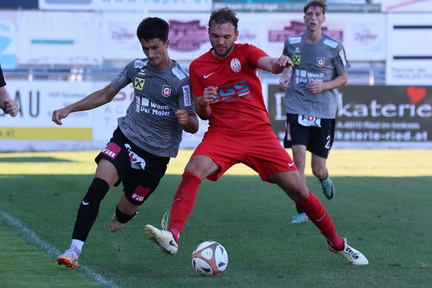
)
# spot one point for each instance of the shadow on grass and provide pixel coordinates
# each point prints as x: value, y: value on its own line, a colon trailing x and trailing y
x: 33, y: 160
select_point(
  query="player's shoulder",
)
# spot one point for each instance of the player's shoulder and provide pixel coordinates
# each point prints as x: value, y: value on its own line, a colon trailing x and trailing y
x: 241, y: 47
x: 295, y: 39
x: 203, y: 57
x: 138, y: 63
x: 245, y: 50
x: 330, y: 41
x: 178, y: 71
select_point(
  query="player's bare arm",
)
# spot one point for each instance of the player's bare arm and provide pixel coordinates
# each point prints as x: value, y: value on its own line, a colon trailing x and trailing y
x: 189, y: 121
x: 275, y: 65
x: 95, y: 99
x: 317, y: 86
x: 202, y: 105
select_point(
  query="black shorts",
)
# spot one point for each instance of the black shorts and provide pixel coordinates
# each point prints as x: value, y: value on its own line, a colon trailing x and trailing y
x: 318, y: 140
x: 139, y: 171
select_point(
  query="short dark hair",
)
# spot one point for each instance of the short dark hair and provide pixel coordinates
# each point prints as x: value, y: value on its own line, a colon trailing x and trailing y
x: 316, y: 3
x: 153, y: 27
x: 222, y: 16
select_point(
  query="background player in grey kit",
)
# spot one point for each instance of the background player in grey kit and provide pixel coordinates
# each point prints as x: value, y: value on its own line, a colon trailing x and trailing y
x: 147, y: 136
x: 311, y: 98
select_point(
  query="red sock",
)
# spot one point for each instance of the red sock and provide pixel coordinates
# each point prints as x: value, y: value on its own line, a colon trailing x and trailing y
x: 319, y: 216
x: 183, y: 203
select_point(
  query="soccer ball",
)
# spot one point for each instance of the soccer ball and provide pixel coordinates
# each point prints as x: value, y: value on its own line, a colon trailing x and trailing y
x: 209, y: 258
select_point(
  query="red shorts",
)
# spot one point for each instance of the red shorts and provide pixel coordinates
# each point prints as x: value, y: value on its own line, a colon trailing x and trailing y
x: 259, y: 150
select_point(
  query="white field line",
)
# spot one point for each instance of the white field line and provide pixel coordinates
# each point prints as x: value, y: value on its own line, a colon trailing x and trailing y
x: 31, y: 237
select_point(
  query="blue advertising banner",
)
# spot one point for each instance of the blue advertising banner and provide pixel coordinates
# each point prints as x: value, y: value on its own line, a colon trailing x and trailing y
x: 19, y: 4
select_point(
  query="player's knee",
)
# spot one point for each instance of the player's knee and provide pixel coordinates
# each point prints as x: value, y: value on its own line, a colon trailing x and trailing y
x: 319, y: 172
x: 97, y: 191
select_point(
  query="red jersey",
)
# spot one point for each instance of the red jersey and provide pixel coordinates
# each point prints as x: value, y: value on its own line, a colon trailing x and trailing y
x: 239, y: 105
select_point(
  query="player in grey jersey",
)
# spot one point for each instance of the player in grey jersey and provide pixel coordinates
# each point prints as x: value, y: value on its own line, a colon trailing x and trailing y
x: 311, y: 98
x: 147, y: 136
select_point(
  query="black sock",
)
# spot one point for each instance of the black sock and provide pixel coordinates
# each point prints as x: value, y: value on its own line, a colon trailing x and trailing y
x: 89, y: 209
x: 122, y: 217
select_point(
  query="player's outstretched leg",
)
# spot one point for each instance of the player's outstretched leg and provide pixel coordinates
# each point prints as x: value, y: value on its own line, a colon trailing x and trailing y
x: 352, y: 255
x: 163, y: 238
x: 69, y: 258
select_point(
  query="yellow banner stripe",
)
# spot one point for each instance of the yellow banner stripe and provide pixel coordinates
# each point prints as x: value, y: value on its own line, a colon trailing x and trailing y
x: 45, y: 133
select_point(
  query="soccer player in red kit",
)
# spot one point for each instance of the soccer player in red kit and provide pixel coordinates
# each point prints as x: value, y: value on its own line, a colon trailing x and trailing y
x: 227, y: 91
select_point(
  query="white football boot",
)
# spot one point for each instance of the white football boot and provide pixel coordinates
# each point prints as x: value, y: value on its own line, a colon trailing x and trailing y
x: 69, y: 258
x: 163, y: 238
x: 352, y: 255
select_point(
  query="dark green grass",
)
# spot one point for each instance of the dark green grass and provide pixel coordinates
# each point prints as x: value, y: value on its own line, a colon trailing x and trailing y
x: 387, y: 218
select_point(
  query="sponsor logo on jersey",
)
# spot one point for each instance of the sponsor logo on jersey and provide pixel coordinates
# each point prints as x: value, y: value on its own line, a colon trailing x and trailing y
x: 136, y: 161
x: 294, y: 40
x: 296, y: 59
x: 208, y: 75
x: 139, y: 83
x: 179, y: 73
x: 233, y: 92
x: 144, y: 105
x: 320, y: 61
x: 140, y: 193
x: 235, y: 65
x: 111, y: 150
x: 142, y: 72
x: 166, y: 91
x: 187, y: 95
x: 139, y: 63
x: 330, y: 43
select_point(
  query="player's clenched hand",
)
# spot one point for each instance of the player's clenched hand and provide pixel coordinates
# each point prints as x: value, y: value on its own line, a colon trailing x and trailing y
x: 285, y: 61
x: 208, y: 96
x: 58, y: 115
x: 315, y: 86
x: 283, y: 83
x: 182, y: 116
x: 10, y: 107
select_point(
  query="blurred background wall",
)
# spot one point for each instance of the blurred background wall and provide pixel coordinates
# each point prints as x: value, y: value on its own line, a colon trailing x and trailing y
x: 55, y: 52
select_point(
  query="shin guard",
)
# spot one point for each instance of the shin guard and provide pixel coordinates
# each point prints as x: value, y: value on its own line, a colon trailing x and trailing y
x: 183, y: 203
x: 319, y: 216
x: 89, y: 209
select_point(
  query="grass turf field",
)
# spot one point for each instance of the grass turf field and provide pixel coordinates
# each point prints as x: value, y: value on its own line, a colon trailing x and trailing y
x: 382, y: 205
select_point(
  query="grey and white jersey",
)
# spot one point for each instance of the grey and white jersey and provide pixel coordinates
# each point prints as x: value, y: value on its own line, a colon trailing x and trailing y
x: 150, y: 120
x: 322, y: 61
